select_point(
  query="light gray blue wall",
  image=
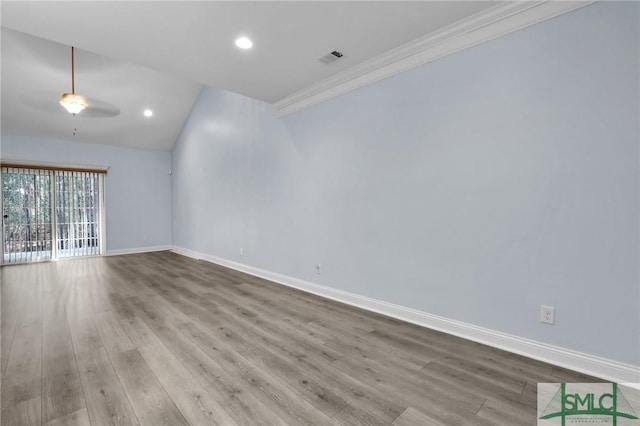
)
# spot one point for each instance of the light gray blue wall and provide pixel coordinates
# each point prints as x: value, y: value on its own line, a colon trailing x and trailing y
x: 137, y: 185
x: 476, y: 187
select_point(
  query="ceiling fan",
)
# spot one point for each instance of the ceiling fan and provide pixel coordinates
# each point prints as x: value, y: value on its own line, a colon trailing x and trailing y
x: 73, y: 103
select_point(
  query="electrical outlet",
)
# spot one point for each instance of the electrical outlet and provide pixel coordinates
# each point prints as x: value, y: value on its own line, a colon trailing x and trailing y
x: 318, y: 268
x: 241, y: 251
x: 547, y: 314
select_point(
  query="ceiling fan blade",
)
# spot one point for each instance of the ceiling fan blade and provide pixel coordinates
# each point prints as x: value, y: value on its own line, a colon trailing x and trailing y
x: 100, y: 109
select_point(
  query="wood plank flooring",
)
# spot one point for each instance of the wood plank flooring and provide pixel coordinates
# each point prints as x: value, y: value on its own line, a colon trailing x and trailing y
x: 161, y: 339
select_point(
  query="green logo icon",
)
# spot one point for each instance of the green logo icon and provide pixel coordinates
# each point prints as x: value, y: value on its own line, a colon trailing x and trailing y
x: 589, y: 405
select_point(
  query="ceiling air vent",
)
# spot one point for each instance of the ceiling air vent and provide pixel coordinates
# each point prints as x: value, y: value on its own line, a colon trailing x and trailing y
x: 330, y: 57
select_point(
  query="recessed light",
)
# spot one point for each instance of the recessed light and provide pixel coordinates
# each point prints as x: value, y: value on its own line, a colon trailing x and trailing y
x: 148, y: 113
x: 244, y: 43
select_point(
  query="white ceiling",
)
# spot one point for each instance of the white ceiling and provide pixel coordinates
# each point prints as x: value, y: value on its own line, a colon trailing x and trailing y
x: 35, y: 73
x: 194, y: 42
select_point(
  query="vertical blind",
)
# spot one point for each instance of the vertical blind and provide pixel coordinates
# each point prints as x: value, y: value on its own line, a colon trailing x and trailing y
x: 50, y: 213
x: 27, y: 228
x: 77, y: 213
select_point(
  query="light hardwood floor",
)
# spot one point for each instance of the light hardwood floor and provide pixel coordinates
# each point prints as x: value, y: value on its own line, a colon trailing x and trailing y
x: 161, y: 339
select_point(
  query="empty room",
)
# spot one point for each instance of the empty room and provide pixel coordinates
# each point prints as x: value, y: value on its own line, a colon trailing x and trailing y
x: 320, y: 213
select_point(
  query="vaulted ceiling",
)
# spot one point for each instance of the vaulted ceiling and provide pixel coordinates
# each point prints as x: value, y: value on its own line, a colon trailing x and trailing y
x: 133, y: 55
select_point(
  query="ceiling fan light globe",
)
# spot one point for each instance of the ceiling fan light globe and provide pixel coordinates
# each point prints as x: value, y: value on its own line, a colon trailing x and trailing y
x: 73, y: 103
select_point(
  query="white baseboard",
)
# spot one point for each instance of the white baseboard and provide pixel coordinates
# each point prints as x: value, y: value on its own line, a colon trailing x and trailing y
x: 589, y: 364
x: 137, y: 250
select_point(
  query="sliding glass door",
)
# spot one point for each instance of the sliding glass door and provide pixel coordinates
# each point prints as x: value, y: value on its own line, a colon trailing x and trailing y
x: 26, y: 214
x: 50, y: 214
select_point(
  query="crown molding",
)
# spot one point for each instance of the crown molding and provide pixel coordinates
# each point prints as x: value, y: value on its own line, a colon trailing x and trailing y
x: 497, y: 21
